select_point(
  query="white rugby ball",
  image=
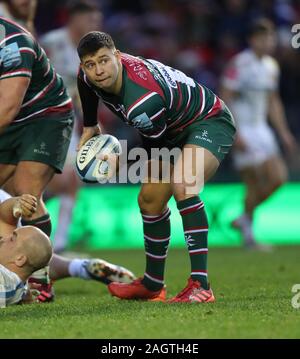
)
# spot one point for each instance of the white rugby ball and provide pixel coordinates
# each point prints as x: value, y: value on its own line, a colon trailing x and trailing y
x: 88, y: 167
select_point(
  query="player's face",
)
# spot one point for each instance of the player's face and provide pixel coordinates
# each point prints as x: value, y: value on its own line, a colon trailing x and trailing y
x: 103, y: 68
x: 264, y: 43
x: 21, y: 8
x: 86, y: 22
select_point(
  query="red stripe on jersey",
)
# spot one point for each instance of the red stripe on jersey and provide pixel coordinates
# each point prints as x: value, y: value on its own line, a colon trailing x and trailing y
x: 138, y: 72
x: 217, y: 107
x: 180, y: 97
x: 60, y: 109
x: 29, y: 52
x: 189, y: 122
x: 43, y: 92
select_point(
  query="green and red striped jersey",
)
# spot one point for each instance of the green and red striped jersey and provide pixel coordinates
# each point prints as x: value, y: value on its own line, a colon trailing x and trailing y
x: 155, y: 98
x: 21, y: 55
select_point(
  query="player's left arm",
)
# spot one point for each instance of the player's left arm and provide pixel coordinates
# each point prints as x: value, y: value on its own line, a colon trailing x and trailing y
x: 12, y: 93
x: 278, y: 119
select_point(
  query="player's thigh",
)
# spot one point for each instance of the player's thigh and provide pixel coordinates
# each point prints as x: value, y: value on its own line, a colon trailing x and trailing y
x: 194, y: 167
x: 32, y: 177
x: 204, y: 146
x: 155, y: 190
x: 275, y: 171
x: 252, y: 176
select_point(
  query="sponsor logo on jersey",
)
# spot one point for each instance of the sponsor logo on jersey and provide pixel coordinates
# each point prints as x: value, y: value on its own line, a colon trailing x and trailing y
x: 142, y: 122
x: 204, y: 136
x: 10, y: 55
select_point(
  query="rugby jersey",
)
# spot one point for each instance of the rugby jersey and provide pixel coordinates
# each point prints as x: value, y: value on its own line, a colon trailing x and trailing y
x: 12, y: 289
x: 21, y: 55
x: 253, y: 78
x: 154, y: 98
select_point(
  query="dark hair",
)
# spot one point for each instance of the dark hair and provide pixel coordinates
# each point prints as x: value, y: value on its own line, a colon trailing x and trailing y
x: 261, y: 26
x: 80, y: 7
x: 93, y: 41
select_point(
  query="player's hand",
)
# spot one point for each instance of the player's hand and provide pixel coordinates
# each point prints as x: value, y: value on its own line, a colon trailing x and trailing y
x: 24, y: 206
x: 289, y: 143
x: 87, y: 133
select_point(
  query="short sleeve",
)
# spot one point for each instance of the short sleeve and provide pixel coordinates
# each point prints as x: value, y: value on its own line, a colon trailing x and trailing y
x: 17, y: 57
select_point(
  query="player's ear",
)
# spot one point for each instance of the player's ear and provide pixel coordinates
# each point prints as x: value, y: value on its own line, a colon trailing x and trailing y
x: 20, y: 260
x: 118, y: 54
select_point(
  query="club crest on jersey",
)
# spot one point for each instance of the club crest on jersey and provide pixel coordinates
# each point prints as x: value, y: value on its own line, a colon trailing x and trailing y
x: 142, y: 122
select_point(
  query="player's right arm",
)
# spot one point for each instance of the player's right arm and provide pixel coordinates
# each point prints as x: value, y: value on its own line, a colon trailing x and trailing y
x: 12, y: 93
x: 17, y: 59
x: 89, y: 103
x: 14, y: 208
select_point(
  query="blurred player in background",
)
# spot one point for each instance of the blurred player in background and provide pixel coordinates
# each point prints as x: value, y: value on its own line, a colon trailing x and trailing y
x: 20, y: 11
x: 23, y: 250
x: 61, y: 48
x: 169, y: 110
x: 250, y: 88
x: 36, y: 119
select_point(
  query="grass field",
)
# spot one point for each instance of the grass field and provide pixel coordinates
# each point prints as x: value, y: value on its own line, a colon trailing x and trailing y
x: 253, y: 292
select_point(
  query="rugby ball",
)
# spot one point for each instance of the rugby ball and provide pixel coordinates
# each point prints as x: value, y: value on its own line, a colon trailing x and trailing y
x: 88, y: 167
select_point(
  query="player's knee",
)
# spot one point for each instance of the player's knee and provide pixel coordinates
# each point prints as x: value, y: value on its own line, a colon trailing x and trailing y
x: 149, y: 203
x: 145, y: 199
x: 179, y: 192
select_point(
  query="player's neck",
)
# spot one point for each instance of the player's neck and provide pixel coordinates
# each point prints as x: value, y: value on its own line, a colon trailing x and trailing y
x: 74, y: 35
x: 258, y: 54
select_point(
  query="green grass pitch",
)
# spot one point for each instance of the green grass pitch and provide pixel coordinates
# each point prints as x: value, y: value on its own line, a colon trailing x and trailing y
x: 253, y: 292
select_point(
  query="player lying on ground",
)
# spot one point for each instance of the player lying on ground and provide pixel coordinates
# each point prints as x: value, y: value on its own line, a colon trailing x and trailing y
x: 170, y: 110
x: 24, y: 250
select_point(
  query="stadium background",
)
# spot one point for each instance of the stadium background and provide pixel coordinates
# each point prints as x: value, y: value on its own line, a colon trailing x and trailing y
x: 198, y: 37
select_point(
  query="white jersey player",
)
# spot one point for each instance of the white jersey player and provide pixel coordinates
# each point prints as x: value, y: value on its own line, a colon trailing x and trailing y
x: 21, y: 12
x: 250, y: 88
